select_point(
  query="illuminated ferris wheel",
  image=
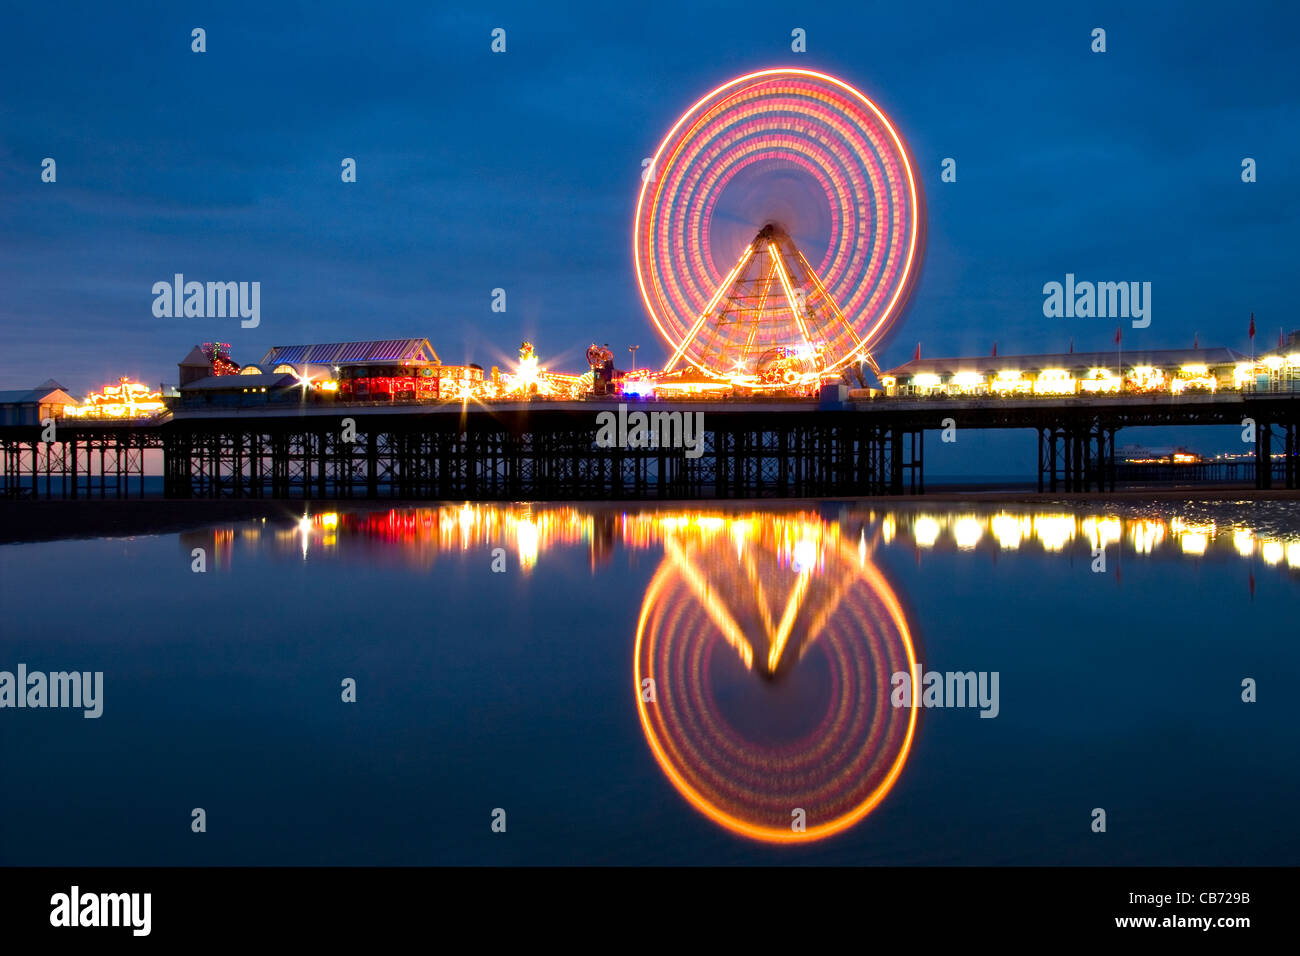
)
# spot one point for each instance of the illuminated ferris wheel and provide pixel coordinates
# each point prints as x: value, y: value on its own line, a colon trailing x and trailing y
x: 772, y: 644
x: 777, y: 229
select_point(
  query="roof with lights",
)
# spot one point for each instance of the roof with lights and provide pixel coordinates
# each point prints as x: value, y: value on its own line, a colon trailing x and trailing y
x: 988, y: 364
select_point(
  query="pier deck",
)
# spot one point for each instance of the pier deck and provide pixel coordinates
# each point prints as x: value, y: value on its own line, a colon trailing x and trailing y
x: 548, y: 449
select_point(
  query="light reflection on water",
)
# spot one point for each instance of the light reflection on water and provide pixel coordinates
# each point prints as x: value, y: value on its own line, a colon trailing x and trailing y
x: 766, y: 640
x: 419, y: 535
x: 769, y: 636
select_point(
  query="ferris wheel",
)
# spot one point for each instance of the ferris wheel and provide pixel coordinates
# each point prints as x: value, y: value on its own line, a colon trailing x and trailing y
x: 707, y: 630
x: 777, y: 229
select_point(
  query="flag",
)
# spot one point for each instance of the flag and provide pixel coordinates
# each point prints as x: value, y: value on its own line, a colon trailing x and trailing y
x: 1196, y: 340
x: 995, y: 346
x: 1118, y: 334
x: 917, y: 356
x: 1252, y: 326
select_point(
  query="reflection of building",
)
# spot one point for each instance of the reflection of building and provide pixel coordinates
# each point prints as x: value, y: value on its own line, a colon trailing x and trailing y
x: 604, y: 535
x: 1006, y: 530
x: 418, y: 535
x: 216, y: 544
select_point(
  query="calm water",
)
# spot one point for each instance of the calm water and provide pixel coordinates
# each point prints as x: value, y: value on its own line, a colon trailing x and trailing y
x: 768, y: 640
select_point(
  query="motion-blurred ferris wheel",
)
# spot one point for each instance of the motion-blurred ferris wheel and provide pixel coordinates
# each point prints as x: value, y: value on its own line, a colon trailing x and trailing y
x: 777, y: 229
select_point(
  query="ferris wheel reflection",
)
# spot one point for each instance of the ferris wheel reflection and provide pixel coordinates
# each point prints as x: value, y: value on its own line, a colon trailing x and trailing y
x: 764, y: 649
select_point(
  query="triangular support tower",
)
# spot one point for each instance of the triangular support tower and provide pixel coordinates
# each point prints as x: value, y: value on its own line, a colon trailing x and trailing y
x: 771, y: 315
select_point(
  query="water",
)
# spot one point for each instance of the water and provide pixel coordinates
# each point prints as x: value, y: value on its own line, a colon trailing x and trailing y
x: 771, y: 635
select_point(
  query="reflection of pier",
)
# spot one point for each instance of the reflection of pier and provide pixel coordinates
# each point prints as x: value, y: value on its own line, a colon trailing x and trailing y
x: 420, y: 534
x: 771, y: 636
x: 547, y: 450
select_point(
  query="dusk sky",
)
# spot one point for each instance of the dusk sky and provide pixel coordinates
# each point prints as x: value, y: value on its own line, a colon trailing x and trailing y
x: 520, y: 170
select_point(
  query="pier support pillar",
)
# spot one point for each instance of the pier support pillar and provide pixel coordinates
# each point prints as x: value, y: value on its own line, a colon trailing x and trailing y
x: 1291, y: 458
x: 1264, y: 455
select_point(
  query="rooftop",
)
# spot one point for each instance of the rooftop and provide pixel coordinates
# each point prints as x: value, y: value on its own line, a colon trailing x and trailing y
x: 222, y: 382
x: 991, y: 364
x: 337, y: 353
x: 39, y: 395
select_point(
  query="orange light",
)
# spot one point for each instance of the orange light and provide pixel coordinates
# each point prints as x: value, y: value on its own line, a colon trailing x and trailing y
x: 704, y: 313
x: 126, y: 399
x: 867, y: 576
x: 789, y: 293
x: 914, y: 225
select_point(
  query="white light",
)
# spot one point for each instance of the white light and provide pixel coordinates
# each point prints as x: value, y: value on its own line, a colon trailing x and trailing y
x: 526, y: 535
x: 926, y: 531
x: 967, y: 532
x: 1102, y: 531
x: 304, y: 528
x: 1010, y: 530
x: 805, y: 555
x: 1054, y: 531
x: 1147, y: 535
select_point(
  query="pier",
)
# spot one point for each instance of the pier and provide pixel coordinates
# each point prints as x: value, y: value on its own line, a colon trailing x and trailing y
x: 547, y: 449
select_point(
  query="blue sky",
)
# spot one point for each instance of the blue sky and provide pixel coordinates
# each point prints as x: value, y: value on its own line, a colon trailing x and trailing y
x: 520, y: 170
